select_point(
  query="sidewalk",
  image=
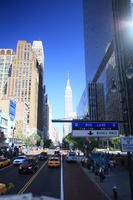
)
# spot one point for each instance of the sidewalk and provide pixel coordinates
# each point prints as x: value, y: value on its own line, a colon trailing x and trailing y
x: 118, y: 177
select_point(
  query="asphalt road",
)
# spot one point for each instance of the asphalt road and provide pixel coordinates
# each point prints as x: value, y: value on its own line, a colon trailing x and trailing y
x: 47, y: 183
x: 44, y: 182
x: 77, y: 185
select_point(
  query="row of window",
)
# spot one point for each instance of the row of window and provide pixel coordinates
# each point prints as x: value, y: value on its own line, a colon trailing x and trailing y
x: 3, y: 121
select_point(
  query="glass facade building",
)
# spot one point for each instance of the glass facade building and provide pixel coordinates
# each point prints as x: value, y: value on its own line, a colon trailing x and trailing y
x: 92, y: 102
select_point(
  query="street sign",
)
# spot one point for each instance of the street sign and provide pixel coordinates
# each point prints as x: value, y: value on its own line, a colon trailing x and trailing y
x: 12, y: 110
x: 127, y: 144
x: 95, y: 129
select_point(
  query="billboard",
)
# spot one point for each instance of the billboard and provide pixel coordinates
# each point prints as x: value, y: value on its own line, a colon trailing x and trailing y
x: 12, y: 110
x: 95, y: 129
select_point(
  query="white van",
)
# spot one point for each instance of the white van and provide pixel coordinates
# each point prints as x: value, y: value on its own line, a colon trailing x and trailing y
x: 71, y: 157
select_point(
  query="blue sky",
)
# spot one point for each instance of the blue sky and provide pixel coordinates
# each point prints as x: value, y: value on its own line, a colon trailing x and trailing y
x: 59, y: 24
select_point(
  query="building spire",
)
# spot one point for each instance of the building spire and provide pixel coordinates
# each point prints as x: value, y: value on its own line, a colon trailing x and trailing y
x: 68, y: 76
x: 68, y: 83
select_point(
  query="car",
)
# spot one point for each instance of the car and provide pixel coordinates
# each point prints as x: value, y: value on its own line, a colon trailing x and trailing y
x: 57, y: 153
x: 3, y: 188
x: 54, y: 162
x: 4, y: 162
x: 19, y: 160
x: 28, y: 166
x: 45, y: 150
x: 43, y: 156
x: 71, y: 157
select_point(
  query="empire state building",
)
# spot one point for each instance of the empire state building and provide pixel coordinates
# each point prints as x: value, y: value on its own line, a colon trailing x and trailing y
x: 68, y: 108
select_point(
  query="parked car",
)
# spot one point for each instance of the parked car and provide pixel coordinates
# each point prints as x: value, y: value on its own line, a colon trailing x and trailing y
x: 4, y: 161
x: 19, y: 160
x: 28, y: 166
x: 71, y: 157
x: 3, y: 188
x: 57, y: 153
x: 43, y: 156
x: 54, y: 162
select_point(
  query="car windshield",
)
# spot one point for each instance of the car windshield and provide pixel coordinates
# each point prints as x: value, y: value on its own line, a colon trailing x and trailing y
x: 25, y: 162
x: 20, y: 157
x: 43, y: 154
x: 2, y: 159
x: 54, y: 159
x: 72, y: 154
x: 28, y: 161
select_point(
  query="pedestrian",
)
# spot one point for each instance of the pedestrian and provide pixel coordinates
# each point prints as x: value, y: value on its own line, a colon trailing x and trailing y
x: 101, y: 173
x: 109, y: 167
x: 123, y: 162
x: 63, y: 157
x: 111, y: 164
x: 114, y: 163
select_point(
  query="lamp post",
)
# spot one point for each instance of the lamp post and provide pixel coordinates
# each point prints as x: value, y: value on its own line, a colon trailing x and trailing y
x: 13, y: 128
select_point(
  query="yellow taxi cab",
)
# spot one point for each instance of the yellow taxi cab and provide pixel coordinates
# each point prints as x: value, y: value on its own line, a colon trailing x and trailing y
x: 4, y: 162
x: 54, y: 162
x: 3, y: 188
x: 45, y: 150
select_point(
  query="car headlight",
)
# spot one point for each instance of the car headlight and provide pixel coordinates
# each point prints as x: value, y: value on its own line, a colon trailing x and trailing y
x: 29, y: 167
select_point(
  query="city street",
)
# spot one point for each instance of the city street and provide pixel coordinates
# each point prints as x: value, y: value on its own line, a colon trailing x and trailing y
x: 47, y: 182
x: 44, y: 182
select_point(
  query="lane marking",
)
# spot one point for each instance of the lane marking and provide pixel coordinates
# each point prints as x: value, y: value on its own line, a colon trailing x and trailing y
x: 61, y: 171
x: 31, y: 179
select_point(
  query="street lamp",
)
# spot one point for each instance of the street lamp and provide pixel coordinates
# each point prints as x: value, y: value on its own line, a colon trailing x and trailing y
x: 13, y: 128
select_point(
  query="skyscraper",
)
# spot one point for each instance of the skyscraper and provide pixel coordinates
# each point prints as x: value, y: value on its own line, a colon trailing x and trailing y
x: 97, y: 31
x: 92, y: 102
x: 6, y: 58
x: 23, y: 82
x: 68, y: 108
x: 46, y: 116
x: 37, y: 49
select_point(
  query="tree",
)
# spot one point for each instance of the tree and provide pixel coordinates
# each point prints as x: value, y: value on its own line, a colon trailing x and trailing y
x: 19, y: 130
x: 93, y: 144
x: 41, y: 143
x: 69, y: 140
x: 27, y: 141
x: 115, y: 141
x: 37, y: 138
x: 80, y: 143
x: 2, y: 138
